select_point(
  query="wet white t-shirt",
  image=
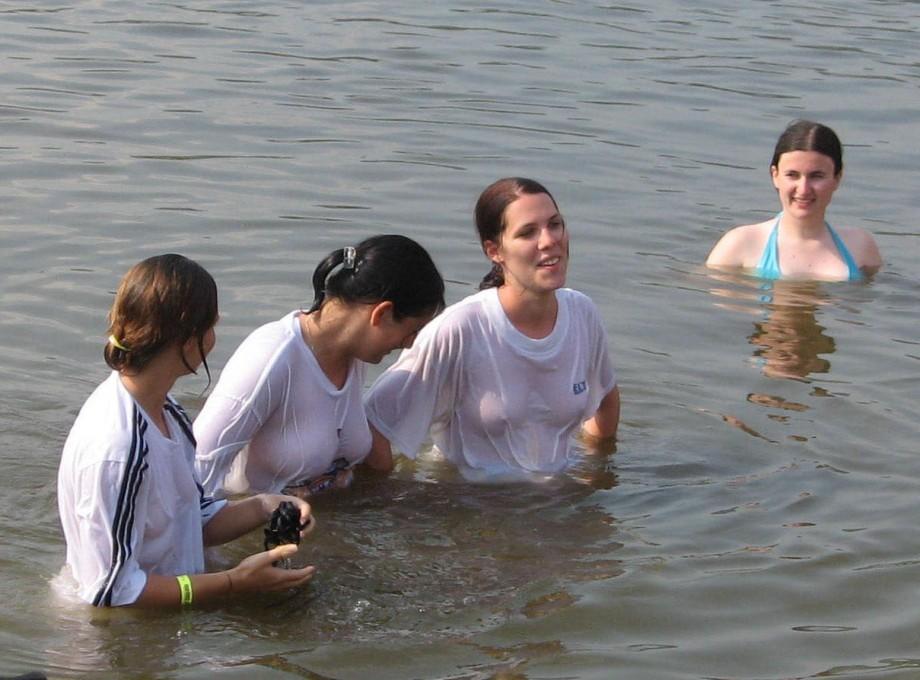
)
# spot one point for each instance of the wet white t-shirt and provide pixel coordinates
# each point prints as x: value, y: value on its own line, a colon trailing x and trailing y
x: 129, y: 499
x: 492, y: 399
x: 275, y: 420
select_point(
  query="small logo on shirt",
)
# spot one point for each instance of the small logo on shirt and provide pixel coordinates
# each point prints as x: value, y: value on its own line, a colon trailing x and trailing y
x: 579, y: 387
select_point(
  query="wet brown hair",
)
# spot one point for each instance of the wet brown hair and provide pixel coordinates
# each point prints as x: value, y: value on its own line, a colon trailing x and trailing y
x: 162, y: 300
x: 490, y: 216
x: 807, y: 135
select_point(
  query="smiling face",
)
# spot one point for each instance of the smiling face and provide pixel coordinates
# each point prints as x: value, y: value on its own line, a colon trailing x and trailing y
x: 533, y: 250
x: 806, y: 182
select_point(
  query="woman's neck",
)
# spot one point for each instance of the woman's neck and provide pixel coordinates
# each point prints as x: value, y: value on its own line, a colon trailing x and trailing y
x: 532, y: 314
x: 328, y: 334
x: 802, y: 229
x: 149, y: 388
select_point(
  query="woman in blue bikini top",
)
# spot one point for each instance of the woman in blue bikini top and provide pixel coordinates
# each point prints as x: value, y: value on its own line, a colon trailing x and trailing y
x: 806, y: 169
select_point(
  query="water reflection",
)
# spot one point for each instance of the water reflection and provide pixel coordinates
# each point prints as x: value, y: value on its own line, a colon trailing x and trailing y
x: 423, y: 553
x: 88, y: 640
x: 789, y: 340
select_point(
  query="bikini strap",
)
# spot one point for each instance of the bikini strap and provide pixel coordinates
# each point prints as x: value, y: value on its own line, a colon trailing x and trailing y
x: 768, y: 267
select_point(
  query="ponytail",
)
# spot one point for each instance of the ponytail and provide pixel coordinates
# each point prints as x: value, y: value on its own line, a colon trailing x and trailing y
x: 321, y: 273
x: 494, y: 279
x: 388, y: 267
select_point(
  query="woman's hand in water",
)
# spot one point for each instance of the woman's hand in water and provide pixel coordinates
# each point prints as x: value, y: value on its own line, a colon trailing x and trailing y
x: 257, y: 573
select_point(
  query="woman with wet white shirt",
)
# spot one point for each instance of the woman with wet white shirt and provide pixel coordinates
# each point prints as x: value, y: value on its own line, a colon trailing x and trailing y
x: 806, y: 169
x: 133, y: 512
x: 503, y: 379
x: 287, y: 412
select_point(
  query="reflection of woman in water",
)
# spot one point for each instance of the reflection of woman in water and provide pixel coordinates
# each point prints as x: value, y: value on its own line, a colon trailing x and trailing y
x: 790, y: 340
x: 806, y: 169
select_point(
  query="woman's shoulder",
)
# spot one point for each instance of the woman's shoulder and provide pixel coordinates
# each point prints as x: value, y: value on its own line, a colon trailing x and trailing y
x: 577, y: 302
x: 265, y: 360
x: 110, y: 407
x: 471, y: 307
x: 273, y: 330
x: 107, y: 428
x: 455, y: 325
x: 862, y: 246
x: 265, y: 343
x: 580, y: 311
x: 574, y: 297
x: 741, y: 246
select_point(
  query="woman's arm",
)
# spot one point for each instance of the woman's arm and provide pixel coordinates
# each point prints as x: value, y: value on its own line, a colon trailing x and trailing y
x: 222, y: 429
x: 866, y: 252
x: 254, y: 574
x: 381, y: 456
x: 250, y: 388
x: 240, y: 517
x: 411, y: 394
x: 603, y: 425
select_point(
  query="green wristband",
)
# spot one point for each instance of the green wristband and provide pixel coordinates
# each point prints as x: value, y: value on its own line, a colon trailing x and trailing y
x: 185, y: 589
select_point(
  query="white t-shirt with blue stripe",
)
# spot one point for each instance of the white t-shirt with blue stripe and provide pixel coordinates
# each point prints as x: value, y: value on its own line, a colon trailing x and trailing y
x: 129, y: 499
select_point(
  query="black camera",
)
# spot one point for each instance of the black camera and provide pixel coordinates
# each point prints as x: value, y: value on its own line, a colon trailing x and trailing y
x: 284, y: 526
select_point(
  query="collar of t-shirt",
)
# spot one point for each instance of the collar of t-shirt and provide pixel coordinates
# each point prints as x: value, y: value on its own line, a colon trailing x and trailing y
x: 532, y: 347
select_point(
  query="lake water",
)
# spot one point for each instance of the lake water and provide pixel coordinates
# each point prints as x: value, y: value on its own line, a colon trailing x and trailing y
x: 758, y: 518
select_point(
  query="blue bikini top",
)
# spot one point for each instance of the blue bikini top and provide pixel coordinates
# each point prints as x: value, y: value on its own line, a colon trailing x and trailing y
x: 768, y: 267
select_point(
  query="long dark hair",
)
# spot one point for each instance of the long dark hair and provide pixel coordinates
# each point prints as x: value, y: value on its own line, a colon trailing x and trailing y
x: 807, y: 135
x: 162, y: 300
x: 386, y: 267
x: 490, y: 216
